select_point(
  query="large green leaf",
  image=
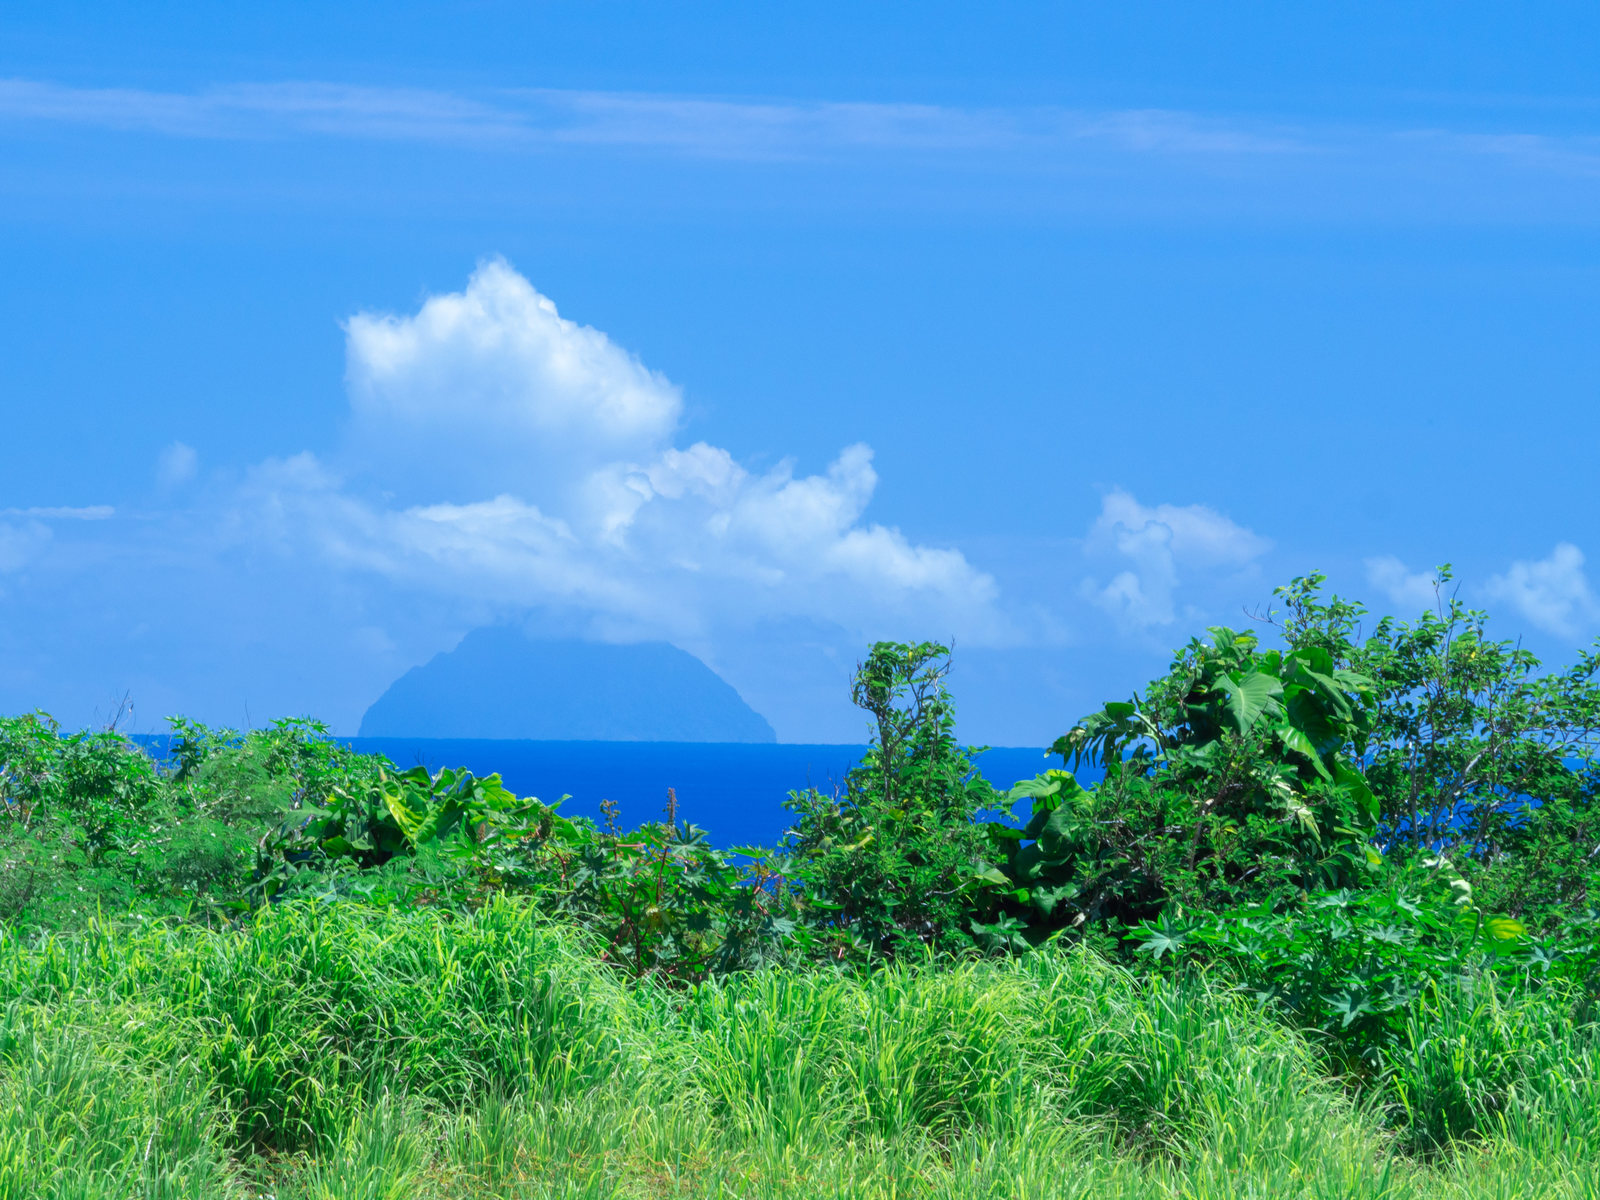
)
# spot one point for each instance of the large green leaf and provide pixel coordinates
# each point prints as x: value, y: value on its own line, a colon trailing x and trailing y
x: 1355, y: 785
x: 1352, y: 681
x: 1351, y: 1003
x: 1059, y: 830
x: 1054, y: 782
x: 1045, y: 899
x: 1164, y: 936
x: 1295, y: 740
x: 1053, y: 833
x: 1313, y: 658
x: 1248, y: 697
x: 988, y: 874
x: 1331, y: 693
x: 1308, y: 713
x: 410, y: 820
x: 1505, y: 929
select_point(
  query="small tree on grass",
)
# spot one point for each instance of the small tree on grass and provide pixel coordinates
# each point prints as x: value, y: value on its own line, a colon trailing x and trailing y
x: 891, y: 864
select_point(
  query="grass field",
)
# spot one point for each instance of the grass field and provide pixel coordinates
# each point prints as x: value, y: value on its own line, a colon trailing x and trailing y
x: 338, y: 1051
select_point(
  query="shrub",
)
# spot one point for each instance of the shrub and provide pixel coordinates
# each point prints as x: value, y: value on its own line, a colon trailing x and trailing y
x: 893, y: 864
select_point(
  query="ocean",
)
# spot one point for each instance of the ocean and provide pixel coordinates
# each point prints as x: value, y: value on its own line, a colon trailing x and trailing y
x: 735, y: 791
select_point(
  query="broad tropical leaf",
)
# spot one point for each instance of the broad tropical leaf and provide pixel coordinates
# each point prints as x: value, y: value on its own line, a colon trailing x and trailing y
x: 1295, y: 740
x: 1248, y: 697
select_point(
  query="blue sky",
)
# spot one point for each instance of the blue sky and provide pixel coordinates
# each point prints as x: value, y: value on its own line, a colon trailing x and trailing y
x: 1063, y: 331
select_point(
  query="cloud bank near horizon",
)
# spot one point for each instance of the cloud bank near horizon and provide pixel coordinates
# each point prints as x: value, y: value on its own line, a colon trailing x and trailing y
x: 503, y: 462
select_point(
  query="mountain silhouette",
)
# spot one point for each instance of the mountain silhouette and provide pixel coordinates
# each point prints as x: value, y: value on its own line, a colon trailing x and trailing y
x: 500, y: 683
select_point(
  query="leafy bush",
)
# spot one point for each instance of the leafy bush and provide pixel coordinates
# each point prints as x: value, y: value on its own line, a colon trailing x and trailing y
x: 77, y: 813
x: 1229, y: 782
x: 1470, y: 748
x: 1247, y: 777
x: 89, y: 822
x: 1352, y: 963
x: 665, y: 902
x: 662, y: 900
x: 893, y: 864
x: 95, y: 787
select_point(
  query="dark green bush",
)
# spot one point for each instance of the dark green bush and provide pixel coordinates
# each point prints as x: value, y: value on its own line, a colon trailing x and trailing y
x: 895, y: 862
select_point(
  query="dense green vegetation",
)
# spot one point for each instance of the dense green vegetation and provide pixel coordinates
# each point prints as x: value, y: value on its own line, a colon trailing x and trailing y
x: 1317, y: 923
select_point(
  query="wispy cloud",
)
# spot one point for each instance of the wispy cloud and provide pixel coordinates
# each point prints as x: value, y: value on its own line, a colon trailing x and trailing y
x: 720, y: 127
x: 696, y: 125
x: 1413, y: 590
x: 1108, y: 156
x: 25, y: 533
x: 1252, y: 162
x: 257, y: 110
x: 177, y: 464
x: 1570, y: 155
x: 92, y: 512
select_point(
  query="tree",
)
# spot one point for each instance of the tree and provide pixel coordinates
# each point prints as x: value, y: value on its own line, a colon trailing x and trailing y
x: 893, y: 862
x: 1473, y: 751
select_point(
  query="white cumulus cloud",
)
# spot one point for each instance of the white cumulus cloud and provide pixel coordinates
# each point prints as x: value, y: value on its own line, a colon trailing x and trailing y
x: 1553, y: 593
x: 498, y: 449
x: 493, y: 385
x: 1161, y: 545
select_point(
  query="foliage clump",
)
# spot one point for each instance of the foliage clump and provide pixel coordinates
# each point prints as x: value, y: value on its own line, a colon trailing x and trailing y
x: 892, y: 864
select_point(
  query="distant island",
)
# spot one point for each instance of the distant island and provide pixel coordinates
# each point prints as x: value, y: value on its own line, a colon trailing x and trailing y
x: 500, y: 683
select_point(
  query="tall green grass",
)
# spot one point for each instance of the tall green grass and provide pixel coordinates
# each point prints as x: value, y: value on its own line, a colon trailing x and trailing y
x: 336, y: 1051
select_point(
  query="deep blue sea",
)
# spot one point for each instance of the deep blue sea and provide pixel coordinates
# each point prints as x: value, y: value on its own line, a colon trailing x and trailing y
x: 734, y: 790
